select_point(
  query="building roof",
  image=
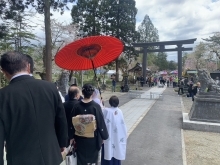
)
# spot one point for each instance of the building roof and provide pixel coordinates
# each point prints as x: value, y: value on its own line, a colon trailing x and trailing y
x: 138, y: 67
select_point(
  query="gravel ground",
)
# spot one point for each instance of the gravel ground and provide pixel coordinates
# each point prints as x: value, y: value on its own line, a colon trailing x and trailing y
x: 107, y: 94
x: 202, y: 148
x: 187, y: 102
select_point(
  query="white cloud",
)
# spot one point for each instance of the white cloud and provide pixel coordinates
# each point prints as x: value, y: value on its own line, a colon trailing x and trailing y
x: 181, y: 19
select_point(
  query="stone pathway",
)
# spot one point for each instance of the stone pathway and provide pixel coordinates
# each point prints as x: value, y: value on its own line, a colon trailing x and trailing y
x: 157, y: 138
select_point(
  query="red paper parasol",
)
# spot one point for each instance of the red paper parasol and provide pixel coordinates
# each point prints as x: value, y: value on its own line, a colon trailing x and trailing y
x: 89, y: 53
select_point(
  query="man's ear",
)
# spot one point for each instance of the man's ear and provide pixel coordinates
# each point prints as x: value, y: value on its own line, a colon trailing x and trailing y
x: 7, y: 75
x: 78, y: 95
x: 29, y: 68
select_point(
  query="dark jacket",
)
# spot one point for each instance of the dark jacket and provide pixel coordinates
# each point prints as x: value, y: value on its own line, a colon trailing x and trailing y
x: 32, y: 121
x: 142, y: 79
x: 68, y: 109
x: 190, y: 88
x: 181, y: 84
x: 113, y: 82
x: 67, y: 98
x: 195, y: 90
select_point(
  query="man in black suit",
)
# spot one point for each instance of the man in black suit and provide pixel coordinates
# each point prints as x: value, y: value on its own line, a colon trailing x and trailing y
x: 74, y: 95
x: 32, y: 116
x: 67, y: 96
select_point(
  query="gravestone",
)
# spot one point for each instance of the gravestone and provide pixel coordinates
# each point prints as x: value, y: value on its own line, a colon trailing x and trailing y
x: 206, y: 105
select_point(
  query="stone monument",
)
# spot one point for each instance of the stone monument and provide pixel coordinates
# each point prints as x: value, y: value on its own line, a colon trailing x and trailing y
x: 63, y: 82
x: 206, y: 106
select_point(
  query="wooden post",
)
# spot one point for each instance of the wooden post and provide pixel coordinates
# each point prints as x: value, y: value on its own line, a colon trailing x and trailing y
x: 179, y: 61
x: 144, y: 64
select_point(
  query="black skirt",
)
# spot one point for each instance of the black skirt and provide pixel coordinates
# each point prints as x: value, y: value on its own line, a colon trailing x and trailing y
x: 86, y: 150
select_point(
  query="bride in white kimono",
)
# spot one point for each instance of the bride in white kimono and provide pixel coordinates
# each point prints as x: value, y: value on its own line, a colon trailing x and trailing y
x: 114, y: 148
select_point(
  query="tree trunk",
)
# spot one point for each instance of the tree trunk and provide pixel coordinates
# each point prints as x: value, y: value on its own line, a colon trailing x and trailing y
x: 71, y: 75
x: 48, y: 49
x: 117, y: 70
x: 116, y: 61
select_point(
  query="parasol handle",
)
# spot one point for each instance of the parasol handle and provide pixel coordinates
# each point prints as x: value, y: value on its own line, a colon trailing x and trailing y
x: 94, y: 69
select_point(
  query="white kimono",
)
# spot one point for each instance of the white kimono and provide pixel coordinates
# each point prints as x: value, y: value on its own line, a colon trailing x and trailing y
x: 115, y: 145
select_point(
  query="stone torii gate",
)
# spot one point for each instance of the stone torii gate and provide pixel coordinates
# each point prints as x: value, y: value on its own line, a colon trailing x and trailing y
x: 161, y: 48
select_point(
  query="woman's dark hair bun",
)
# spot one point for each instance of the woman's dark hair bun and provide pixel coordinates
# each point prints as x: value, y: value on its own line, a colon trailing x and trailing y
x: 88, y: 88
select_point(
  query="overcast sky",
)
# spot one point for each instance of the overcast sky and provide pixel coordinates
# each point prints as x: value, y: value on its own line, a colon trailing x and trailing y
x: 181, y: 19
x: 176, y: 19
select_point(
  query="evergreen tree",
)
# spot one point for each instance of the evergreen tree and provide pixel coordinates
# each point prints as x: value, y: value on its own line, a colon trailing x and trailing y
x: 19, y: 33
x: 86, y: 13
x: 148, y: 33
x: 161, y: 61
x: 172, y: 65
x: 9, y: 9
x: 109, y: 17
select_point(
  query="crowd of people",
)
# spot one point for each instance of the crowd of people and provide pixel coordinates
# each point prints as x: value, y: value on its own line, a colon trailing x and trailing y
x: 172, y: 80
x: 37, y: 124
x: 153, y: 80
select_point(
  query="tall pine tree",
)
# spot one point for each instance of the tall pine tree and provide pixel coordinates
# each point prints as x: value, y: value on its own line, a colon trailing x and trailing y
x: 108, y: 17
x: 148, y: 33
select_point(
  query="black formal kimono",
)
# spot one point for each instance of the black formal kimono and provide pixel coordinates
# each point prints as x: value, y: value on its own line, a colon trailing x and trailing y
x: 32, y: 121
x: 88, y: 148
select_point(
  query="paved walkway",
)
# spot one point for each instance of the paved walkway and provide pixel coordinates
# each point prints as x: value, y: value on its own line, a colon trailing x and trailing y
x: 157, y: 138
x: 123, y: 99
x: 136, y: 109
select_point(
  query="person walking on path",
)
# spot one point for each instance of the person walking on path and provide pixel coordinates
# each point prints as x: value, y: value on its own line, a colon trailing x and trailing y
x: 142, y: 81
x: 114, y: 148
x: 175, y: 81
x: 181, y: 85
x: 168, y: 81
x: 67, y: 96
x: 73, y: 95
x: 32, y: 116
x: 113, y: 85
x: 88, y: 141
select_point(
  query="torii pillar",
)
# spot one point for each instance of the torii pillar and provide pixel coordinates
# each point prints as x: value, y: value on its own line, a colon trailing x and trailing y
x: 144, y: 64
x: 179, y: 57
